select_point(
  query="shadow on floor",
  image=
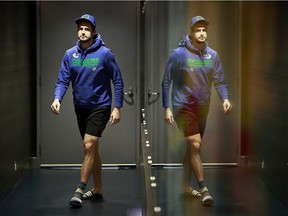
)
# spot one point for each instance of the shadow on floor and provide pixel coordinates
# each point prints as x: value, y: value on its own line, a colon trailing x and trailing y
x: 236, y: 191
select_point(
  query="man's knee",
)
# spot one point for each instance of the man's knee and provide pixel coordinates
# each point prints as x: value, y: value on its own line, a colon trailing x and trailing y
x: 194, y: 142
x: 90, y: 144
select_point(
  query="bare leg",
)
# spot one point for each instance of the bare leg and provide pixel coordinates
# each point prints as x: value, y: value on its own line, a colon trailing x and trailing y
x: 91, y: 158
x: 90, y: 144
x: 192, y: 162
x: 193, y: 153
x: 97, y: 173
x: 187, y: 170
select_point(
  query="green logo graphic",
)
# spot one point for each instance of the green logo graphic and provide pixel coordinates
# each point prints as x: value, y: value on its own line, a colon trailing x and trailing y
x: 89, y: 62
x: 196, y: 63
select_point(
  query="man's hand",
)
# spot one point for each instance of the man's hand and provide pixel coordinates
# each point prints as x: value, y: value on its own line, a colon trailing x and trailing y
x: 55, y: 106
x: 227, y: 107
x: 169, y: 116
x: 115, y: 116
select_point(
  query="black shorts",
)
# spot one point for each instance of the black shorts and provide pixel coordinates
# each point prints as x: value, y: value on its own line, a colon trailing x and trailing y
x: 92, y: 121
x: 191, y: 120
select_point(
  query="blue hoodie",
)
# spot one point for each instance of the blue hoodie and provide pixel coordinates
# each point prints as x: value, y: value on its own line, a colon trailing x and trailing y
x: 90, y: 72
x: 192, y: 73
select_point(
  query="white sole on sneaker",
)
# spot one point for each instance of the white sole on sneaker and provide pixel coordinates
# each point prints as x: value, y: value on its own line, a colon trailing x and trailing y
x: 207, y: 200
x: 75, y: 202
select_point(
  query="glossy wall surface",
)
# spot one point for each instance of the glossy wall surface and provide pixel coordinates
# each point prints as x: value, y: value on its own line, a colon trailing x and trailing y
x: 17, y: 90
x: 264, y: 92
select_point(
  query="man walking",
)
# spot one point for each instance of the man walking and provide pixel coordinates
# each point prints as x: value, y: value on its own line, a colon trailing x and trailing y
x: 90, y: 67
x: 191, y: 69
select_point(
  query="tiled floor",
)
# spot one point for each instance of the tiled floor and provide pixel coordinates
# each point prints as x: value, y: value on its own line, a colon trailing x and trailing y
x: 236, y: 191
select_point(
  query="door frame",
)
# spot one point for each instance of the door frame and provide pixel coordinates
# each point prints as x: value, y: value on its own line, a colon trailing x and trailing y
x: 137, y: 93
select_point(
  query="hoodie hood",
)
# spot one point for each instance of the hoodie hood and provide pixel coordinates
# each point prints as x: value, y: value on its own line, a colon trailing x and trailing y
x: 98, y: 42
x: 186, y: 42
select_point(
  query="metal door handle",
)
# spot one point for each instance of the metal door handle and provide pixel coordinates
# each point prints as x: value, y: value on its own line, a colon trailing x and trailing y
x: 153, y: 99
x: 150, y: 93
x: 129, y: 93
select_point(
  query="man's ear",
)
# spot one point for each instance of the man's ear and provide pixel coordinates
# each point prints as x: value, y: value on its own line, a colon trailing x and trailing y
x: 191, y: 31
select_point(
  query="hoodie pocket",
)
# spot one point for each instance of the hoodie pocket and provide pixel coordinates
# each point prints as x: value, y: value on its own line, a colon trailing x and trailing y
x: 84, y: 95
x: 198, y: 95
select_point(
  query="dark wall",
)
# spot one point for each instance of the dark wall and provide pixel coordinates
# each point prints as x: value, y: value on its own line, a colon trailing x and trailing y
x: 17, y: 91
x: 265, y: 90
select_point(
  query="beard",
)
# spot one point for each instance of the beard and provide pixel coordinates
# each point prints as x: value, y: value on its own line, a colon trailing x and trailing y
x: 201, y: 40
x: 85, y: 39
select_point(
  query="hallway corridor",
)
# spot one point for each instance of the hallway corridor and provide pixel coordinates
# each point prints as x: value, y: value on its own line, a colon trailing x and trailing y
x: 46, y: 192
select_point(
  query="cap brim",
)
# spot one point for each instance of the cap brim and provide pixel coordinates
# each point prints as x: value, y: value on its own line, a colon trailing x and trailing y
x: 77, y: 21
x: 205, y: 22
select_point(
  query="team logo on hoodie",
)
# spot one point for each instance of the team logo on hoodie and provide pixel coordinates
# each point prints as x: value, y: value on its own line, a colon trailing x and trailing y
x: 86, y: 62
x: 207, y: 56
x: 75, y: 55
x: 197, y: 63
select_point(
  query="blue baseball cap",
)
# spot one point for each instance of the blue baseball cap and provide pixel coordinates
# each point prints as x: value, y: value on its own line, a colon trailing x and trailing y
x: 85, y: 18
x: 198, y: 19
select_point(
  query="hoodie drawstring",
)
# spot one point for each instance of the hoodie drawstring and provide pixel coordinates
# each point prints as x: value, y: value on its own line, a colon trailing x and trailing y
x: 83, y: 56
